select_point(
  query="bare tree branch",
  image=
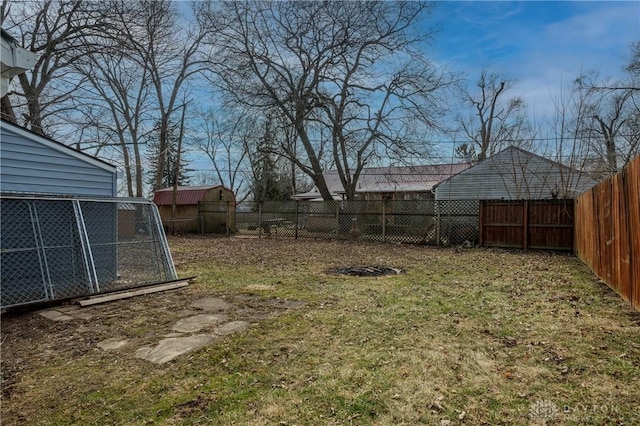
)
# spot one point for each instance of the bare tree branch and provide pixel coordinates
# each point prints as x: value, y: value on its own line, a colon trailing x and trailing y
x: 329, y: 69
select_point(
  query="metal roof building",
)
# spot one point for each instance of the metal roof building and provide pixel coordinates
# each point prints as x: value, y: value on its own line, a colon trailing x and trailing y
x: 191, y: 195
x: 391, y: 179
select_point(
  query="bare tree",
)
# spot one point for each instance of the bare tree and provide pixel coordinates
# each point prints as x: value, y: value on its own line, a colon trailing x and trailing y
x: 336, y: 66
x: 172, y: 58
x: 115, y: 104
x: 609, y: 121
x: 613, y: 125
x: 611, y: 129
x: 141, y: 80
x: 567, y: 129
x: 57, y: 31
x: 496, y: 122
x: 225, y: 140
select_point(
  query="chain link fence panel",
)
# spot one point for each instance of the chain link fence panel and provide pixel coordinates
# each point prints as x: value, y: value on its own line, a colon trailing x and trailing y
x: 412, y: 221
x: 53, y: 249
x: 217, y: 217
x: 458, y: 221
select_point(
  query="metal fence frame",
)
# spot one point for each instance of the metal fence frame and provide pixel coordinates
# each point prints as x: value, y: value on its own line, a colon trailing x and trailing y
x: 55, y: 248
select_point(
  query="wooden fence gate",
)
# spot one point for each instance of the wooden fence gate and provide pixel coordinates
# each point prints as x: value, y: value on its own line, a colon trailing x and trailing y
x: 527, y: 224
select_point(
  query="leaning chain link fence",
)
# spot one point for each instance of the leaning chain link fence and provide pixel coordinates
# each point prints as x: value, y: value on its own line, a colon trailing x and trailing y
x: 413, y: 221
x: 60, y: 248
x: 457, y: 221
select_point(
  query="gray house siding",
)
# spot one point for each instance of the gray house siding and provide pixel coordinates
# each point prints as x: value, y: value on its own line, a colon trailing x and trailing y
x: 514, y: 174
x: 30, y: 163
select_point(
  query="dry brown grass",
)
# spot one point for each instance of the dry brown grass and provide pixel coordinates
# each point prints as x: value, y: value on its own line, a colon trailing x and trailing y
x: 464, y: 336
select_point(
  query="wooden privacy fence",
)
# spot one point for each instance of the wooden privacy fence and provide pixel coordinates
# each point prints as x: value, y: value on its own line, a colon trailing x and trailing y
x: 527, y: 224
x: 608, y: 232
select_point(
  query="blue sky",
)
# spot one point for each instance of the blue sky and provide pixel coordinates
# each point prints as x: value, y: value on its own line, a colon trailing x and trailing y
x: 540, y: 44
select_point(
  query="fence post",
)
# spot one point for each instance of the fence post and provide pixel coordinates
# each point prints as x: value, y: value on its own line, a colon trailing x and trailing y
x: 85, y: 245
x: 481, y: 223
x: 228, y: 218
x: 525, y: 224
x: 337, y: 219
x: 437, y: 223
x: 297, y: 220
x: 384, y: 222
x: 259, y: 219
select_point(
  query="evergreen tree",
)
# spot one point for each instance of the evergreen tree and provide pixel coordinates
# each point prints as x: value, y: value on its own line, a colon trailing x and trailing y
x: 170, y: 157
x: 270, y: 181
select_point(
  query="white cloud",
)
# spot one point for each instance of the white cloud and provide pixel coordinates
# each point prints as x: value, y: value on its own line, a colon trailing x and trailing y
x: 596, y: 38
x: 544, y: 46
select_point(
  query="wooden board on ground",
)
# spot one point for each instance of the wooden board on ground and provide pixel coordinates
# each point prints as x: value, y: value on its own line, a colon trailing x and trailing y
x: 133, y: 293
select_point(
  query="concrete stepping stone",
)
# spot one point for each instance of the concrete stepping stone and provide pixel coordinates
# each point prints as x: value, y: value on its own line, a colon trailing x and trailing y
x: 173, y: 347
x: 212, y: 304
x: 232, y: 327
x: 198, y: 322
x: 112, y: 344
x: 54, y: 315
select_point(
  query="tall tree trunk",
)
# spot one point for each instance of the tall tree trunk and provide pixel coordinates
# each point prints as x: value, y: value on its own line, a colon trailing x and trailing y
x: 162, y: 156
x: 608, y: 133
x: 127, y: 170
x: 34, y: 115
x: 314, y: 162
x: 139, y: 171
x: 7, y: 110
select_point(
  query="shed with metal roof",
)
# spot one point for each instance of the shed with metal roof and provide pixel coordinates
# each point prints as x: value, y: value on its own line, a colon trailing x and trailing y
x: 209, y: 209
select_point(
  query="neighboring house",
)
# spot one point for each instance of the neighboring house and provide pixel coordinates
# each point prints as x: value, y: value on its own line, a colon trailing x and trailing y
x: 198, y: 209
x: 395, y: 183
x: 514, y: 174
x: 511, y: 174
x: 34, y: 164
x: 405, y: 193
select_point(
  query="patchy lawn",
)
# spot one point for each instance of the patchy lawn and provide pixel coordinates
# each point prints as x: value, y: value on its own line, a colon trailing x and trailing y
x: 461, y: 336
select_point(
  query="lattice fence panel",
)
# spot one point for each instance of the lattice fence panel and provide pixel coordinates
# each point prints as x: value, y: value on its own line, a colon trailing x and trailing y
x: 406, y: 221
